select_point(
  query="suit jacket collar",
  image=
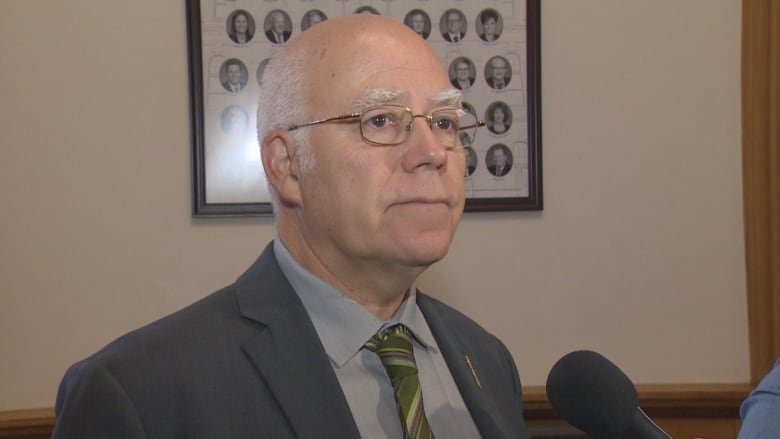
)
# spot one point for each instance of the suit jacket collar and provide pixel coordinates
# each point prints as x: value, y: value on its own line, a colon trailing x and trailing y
x: 463, y: 362
x: 283, y: 350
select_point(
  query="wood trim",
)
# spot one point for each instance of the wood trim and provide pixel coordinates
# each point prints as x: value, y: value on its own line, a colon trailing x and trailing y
x: 28, y: 423
x: 761, y: 179
x: 660, y: 400
x: 670, y: 401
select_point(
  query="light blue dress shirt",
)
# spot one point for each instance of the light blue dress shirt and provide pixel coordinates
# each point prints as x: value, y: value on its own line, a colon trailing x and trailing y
x: 761, y: 410
x: 344, y: 326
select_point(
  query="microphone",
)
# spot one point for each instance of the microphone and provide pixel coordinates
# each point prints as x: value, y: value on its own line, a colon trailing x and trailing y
x: 594, y: 395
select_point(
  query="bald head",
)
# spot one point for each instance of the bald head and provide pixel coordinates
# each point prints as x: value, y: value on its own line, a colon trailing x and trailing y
x: 351, y: 48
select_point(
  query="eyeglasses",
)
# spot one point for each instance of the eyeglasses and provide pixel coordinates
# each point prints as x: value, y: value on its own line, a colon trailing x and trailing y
x: 454, y: 128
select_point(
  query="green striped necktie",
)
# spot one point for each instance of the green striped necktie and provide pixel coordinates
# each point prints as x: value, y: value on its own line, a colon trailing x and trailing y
x: 394, y: 347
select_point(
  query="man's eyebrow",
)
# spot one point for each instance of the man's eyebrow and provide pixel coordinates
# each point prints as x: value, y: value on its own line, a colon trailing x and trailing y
x: 449, y: 98
x: 378, y: 96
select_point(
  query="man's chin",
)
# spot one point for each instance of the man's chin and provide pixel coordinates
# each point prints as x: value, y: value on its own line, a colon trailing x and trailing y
x: 423, y: 255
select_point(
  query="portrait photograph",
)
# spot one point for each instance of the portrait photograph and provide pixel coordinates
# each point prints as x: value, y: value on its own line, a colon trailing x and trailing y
x: 498, y: 73
x: 453, y: 25
x: 498, y: 117
x: 312, y: 17
x: 468, y: 108
x: 462, y: 73
x: 366, y: 10
x: 240, y: 26
x: 233, y: 75
x: 419, y: 21
x: 489, y: 25
x: 471, y: 161
x: 278, y: 26
x: 499, y: 160
x: 235, y: 121
x: 261, y: 70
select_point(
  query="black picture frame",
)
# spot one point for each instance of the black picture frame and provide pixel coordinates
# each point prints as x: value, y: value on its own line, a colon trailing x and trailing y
x: 213, y: 103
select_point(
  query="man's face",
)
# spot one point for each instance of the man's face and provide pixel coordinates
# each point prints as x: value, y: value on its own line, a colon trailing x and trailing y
x: 499, y: 69
x: 367, y: 207
x: 499, y: 156
x: 234, y: 73
x: 453, y: 22
x: 418, y: 23
x: 278, y: 23
x: 240, y: 23
x: 462, y: 71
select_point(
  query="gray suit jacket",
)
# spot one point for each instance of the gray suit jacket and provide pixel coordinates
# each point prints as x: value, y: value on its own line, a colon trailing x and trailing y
x: 246, y: 362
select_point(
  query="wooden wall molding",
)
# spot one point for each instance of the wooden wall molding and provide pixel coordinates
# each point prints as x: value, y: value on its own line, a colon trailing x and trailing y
x: 27, y: 424
x: 669, y: 401
x: 761, y: 179
x: 660, y: 400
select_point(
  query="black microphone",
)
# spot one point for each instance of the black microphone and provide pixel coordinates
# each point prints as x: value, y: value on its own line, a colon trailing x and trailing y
x: 594, y: 395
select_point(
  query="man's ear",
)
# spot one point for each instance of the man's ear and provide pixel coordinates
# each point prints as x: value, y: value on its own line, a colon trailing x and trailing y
x: 281, y: 167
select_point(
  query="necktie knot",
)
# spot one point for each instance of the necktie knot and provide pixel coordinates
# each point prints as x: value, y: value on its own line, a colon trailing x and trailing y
x: 394, y: 347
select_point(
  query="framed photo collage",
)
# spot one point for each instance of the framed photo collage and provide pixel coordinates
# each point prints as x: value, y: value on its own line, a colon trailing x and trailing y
x: 490, y: 49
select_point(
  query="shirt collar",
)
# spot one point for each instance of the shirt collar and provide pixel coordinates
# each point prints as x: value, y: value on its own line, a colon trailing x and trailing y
x: 343, y: 325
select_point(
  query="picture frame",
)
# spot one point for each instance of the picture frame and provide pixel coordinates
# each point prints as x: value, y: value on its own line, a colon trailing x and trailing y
x: 491, y: 51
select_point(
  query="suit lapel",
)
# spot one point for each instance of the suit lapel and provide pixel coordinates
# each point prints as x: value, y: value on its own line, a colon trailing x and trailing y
x: 463, y: 363
x: 289, y: 356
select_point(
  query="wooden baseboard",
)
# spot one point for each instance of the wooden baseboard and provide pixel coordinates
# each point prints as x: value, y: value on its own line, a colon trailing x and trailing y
x: 670, y: 402
x: 27, y: 423
x: 661, y: 400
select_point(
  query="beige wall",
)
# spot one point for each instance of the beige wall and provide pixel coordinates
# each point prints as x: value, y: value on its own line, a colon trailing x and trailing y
x: 638, y: 253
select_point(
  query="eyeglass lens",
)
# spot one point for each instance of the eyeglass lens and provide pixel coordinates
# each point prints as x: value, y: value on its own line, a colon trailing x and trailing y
x: 391, y: 125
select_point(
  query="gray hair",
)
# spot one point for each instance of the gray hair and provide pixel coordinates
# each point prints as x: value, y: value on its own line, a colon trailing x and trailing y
x: 282, y: 102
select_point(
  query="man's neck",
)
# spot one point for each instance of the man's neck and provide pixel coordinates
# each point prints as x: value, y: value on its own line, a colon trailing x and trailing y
x: 379, y: 289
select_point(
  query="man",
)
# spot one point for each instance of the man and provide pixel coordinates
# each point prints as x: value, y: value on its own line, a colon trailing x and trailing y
x: 278, y: 32
x: 416, y: 20
x: 501, y: 165
x: 235, y: 78
x: 366, y: 197
x: 498, y: 77
x: 455, y: 32
x: 463, y: 79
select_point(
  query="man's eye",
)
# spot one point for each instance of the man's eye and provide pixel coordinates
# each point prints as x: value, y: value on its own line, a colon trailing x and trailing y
x: 445, y: 124
x: 380, y: 121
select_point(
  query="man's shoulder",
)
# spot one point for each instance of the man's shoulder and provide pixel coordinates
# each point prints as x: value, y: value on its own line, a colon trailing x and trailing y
x: 183, y: 330
x: 213, y: 320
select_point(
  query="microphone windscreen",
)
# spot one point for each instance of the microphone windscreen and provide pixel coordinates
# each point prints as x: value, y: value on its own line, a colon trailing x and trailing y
x: 592, y: 394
